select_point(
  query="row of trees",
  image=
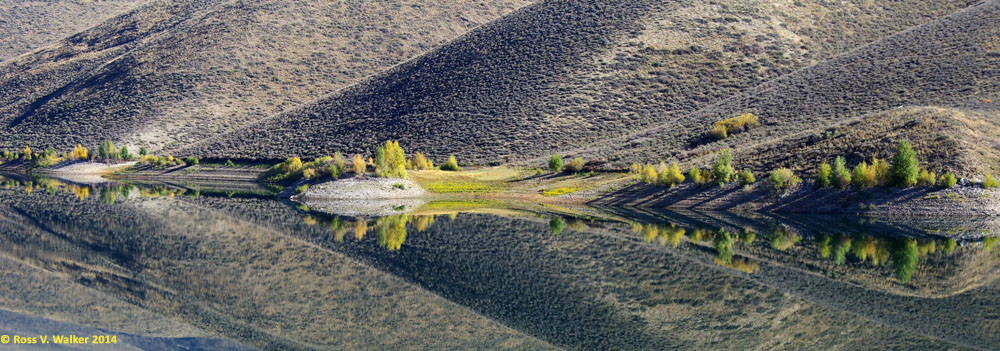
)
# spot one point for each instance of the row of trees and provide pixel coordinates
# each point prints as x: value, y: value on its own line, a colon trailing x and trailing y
x: 389, y: 162
x: 903, y: 171
x: 106, y: 151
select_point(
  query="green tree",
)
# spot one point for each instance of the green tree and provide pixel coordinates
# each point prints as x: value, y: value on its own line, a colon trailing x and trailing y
x: 905, y: 168
x: 142, y: 151
x: 555, y: 163
x: 124, y: 155
x: 841, y: 176
x: 390, y: 160
x: 723, y: 167
x: 824, y: 176
x: 556, y: 225
x: 926, y: 178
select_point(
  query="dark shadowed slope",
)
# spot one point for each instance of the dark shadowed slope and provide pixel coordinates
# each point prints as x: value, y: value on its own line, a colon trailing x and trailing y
x: 175, y: 71
x: 565, y: 73
x: 28, y: 25
x: 937, y: 84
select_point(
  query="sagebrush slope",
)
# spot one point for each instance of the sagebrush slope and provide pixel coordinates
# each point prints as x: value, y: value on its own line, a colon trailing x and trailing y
x: 566, y: 73
x: 175, y: 71
x: 948, y: 69
x: 28, y: 25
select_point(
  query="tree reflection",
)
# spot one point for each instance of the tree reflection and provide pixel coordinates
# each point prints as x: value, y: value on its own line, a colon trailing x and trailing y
x: 391, y: 231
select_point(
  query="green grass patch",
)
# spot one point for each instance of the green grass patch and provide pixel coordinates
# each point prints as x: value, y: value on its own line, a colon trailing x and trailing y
x: 559, y: 191
x: 459, y: 187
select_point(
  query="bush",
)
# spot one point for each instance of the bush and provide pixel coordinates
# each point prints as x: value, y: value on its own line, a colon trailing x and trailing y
x: 719, y: 132
x: 142, y: 151
x: 635, y: 169
x: 989, y: 182
x: 783, y: 179
x: 881, y: 168
x: 290, y: 170
x: 451, y: 165
x: 390, y: 160
x: 926, y: 179
x: 904, y: 169
x: 555, y: 163
x: 947, y: 180
x: 309, y: 173
x: 671, y: 176
x: 339, y: 162
x: 191, y: 160
x: 574, y: 165
x: 824, y: 176
x: 723, y: 167
x: 229, y: 163
x: 722, y: 129
x: 421, y: 162
x: 358, y: 163
x: 747, y: 177
x: 841, y: 176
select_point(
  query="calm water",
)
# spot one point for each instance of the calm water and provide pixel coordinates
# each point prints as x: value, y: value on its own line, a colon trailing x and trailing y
x: 225, y: 267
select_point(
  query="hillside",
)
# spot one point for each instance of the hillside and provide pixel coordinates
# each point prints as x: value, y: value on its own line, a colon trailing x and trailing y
x: 565, y: 73
x: 174, y: 71
x: 937, y: 84
x: 28, y: 25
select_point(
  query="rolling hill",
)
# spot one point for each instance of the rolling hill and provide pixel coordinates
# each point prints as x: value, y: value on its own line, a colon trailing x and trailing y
x: 28, y: 25
x: 561, y: 74
x: 937, y: 84
x: 174, y: 71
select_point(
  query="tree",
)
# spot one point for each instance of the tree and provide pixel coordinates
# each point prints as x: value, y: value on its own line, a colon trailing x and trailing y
x: 905, y: 167
x: 26, y: 153
x: 824, y: 176
x: 338, y: 161
x: 124, y: 155
x: 78, y: 153
x: 451, y: 164
x: 106, y: 151
x: 420, y: 161
x: 881, y: 169
x: 863, y: 176
x: 390, y: 160
x: 841, y: 176
x: 142, y: 151
x: 695, y: 174
x: 671, y: 175
x: 358, y: 163
x: 719, y: 132
x: 723, y: 167
x: 555, y: 163
x: 649, y: 174
x: 191, y: 160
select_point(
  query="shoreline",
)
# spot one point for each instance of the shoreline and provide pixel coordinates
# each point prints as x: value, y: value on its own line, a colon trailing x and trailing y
x: 619, y: 191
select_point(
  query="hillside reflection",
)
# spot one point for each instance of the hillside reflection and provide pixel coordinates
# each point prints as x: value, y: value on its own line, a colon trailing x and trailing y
x: 475, y: 274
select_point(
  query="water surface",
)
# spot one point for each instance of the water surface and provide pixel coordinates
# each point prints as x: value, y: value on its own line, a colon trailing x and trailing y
x: 182, y: 266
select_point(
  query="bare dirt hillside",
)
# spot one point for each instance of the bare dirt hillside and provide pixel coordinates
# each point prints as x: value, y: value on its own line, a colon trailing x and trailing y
x: 937, y: 84
x: 566, y: 73
x: 175, y: 71
x: 29, y: 25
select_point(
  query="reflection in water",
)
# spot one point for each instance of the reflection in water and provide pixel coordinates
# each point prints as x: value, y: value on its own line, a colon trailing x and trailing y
x: 904, y: 252
x: 276, y: 275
